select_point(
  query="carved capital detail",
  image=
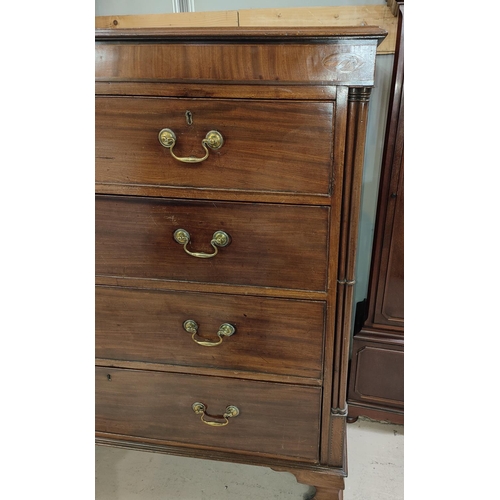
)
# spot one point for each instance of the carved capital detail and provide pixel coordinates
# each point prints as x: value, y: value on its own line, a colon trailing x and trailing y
x: 359, y: 94
x: 339, y: 412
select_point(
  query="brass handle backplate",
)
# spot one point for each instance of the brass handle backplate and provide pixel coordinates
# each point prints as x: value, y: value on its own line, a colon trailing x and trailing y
x: 201, y: 409
x: 219, y: 239
x: 225, y: 330
x: 213, y: 140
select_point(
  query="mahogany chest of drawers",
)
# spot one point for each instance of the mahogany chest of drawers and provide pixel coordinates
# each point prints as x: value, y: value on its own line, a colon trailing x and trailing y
x: 228, y: 176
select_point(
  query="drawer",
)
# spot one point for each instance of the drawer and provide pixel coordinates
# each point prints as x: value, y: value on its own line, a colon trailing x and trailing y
x: 270, y: 245
x: 274, y: 419
x: 267, y: 145
x: 240, y: 55
x: 272, y: 336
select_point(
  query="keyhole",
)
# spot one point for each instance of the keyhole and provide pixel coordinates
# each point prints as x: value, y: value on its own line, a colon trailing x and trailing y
x: 189, y: 117
x: 109, y: 376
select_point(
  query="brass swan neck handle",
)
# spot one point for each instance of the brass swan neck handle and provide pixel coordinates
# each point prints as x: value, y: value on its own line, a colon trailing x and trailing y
x: 219, y: 239
x: 213, y: 140
x: 225, y: 330
x: 201, y: 409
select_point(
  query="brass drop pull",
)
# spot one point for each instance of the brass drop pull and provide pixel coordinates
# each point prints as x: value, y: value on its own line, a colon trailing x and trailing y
x: 225, y: 330
x: 201, y: 409
x: 219, y: 239
x: 213, y: 140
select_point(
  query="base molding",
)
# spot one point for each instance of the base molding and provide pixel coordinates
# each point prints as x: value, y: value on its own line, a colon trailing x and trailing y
x: 328, y: 481
x: 384, y: 415
x: 328, y: 486
x: 117, y: 441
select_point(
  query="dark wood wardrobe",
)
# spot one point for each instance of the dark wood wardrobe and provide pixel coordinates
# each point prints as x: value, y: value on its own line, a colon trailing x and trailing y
x: 376, y: 374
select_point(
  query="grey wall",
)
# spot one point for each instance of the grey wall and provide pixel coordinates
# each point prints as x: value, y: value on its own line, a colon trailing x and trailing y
x: 125, y: 7
x: 377, y: 118
x: 205, y: 5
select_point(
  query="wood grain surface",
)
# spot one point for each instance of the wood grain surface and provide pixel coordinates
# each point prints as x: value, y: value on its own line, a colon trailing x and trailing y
x: 243, y: 62
x: 276, y: 419
x: 268, y: 145
x: 271, y: 245
x: 273, y: 336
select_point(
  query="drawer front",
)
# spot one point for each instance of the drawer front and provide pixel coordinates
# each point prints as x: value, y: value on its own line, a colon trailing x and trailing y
x: 318, y: 60
x: 268, y: 146
x: 272, y: 336
x: 275, y: 419
x: 271, y: 245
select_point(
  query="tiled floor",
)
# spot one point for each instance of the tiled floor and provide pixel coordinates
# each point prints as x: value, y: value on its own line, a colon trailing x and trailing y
x: 376, y: 460
x: 375, y: 473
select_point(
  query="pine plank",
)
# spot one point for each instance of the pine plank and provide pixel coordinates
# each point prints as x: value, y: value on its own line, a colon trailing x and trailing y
x: 181, y: 19
x: 366, y: 15
x: 348, y: 15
